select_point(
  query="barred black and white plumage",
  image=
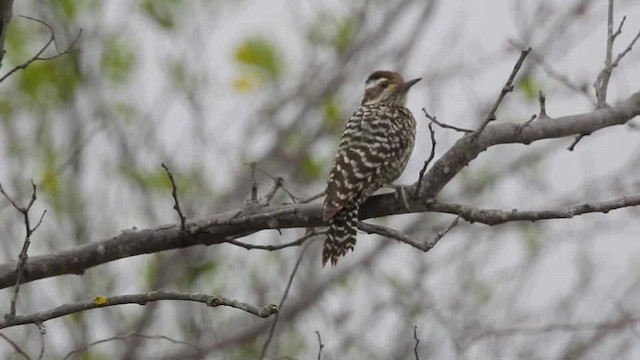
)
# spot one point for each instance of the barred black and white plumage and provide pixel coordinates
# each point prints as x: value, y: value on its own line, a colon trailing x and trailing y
x: 374, y: 149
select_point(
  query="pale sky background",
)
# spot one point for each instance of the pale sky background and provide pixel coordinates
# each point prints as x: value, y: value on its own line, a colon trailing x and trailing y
x: 474, y: 32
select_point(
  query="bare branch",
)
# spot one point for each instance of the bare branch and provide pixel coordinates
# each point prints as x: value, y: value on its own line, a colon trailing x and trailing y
x: 507, y: 88
x: 622, y: 322
x: 140, y: 299
x: 37, y: 56
x: 22, y: 258
x: 137, y: 335
x: 296, y: 242
x: 254, y: 183
x: 444, y: 125
x: 311, y: 198
x: 416, y: 193
x: 616, y: 62
x: 602, y: 81
x: 495, y: 217
x: 174, y: 193
x: 320, y: 345
x: 15, y: 346
x: 415, y: 337
x: 272, y: 329
x: 6, y: 13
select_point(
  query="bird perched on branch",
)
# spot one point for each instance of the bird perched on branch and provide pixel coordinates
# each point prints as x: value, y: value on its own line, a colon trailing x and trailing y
x: 374, y: 149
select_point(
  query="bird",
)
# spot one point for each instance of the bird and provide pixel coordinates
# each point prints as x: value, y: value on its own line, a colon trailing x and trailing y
x: 374, y: 148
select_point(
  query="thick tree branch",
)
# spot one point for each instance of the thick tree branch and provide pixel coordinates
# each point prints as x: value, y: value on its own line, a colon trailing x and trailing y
x: 237, y: 223
x: 140, y: 299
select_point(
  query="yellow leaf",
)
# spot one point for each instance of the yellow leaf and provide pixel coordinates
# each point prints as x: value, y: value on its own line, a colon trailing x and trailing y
x: 101, y: 300
x: 50, y: 181
x: 245, y: 83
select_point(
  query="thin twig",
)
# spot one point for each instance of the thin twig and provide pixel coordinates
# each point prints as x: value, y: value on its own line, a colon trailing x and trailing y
x: 138, y: 335
x: 622, y: 322
x: 507, y: 88
x: 277, y: 184
x: 626, y: 50
x: 415, y: 337
x: 575, y: 142
x: 602, y: 81
x: 429, y: 245
x: 416, y: 193
x: 444, y: 125
x: 320, y: 345
x: 42, y: 332
x: 311, y: 198
x: 272, y: 329
x: 296, y: 242
x: 174, y: 193
x: 140, y: 299
x: 15, y: 346
x: 37, y: 56
x: 22, y: 258
x: 254, y: 183
x: 276, y: 179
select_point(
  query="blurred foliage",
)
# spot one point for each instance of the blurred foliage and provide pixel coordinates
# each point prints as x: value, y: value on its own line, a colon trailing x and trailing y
x: 333, y: 115
x: 47, y: 83
x: 531, y: 235
x: 529, y: 87
x: 337, y: 32
x: 481, y: 291
x: 162, y: 12
x: 196, y: 271
x: 118, y: 59
x: 260, y: 61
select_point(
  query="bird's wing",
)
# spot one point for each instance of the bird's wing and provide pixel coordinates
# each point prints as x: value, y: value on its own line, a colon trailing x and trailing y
x: 360, y: 157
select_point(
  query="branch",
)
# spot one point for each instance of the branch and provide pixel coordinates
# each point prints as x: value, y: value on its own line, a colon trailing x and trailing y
x: 432, y: 154
x: 6, y: 13
x: 415, y: 337
x: 272, y: 329
x: 15, y: 346
x: 320, y: 345
x: 496, y: 217
x: 620, y: 323
x: 37, y: 56
x: 126, y: 337
x: 22, y: 258
x: 223, y: 227
x: 507, y: 88
x: 602, y: 81
x: 174, y: 193
x: 140, y: 299
x: 434, y: 120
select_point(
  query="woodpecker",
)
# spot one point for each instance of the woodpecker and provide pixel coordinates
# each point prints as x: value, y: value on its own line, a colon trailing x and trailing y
x: 374, y: 149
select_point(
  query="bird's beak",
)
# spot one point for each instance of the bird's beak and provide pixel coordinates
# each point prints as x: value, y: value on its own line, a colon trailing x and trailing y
x: 408, y: 84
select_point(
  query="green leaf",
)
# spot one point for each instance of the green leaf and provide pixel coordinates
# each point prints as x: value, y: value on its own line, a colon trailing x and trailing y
x: 259, y: 55
x: 118, y: 59
x: 67, y: 9
x: 337, y: 32
x: 332, y: 111
x: 529, y: 88
x: 161, y: 12
x: 311, y: 167
x: 195, y: 272
x: 50, y: 82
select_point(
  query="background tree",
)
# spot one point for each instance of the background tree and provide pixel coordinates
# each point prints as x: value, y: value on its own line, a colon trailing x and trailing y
x: 209, y: 87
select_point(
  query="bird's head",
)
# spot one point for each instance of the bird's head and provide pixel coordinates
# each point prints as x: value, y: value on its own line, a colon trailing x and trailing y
x: 387, y: 87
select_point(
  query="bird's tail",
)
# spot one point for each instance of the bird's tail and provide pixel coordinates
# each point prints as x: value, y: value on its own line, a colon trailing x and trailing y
x: 341, y: 236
